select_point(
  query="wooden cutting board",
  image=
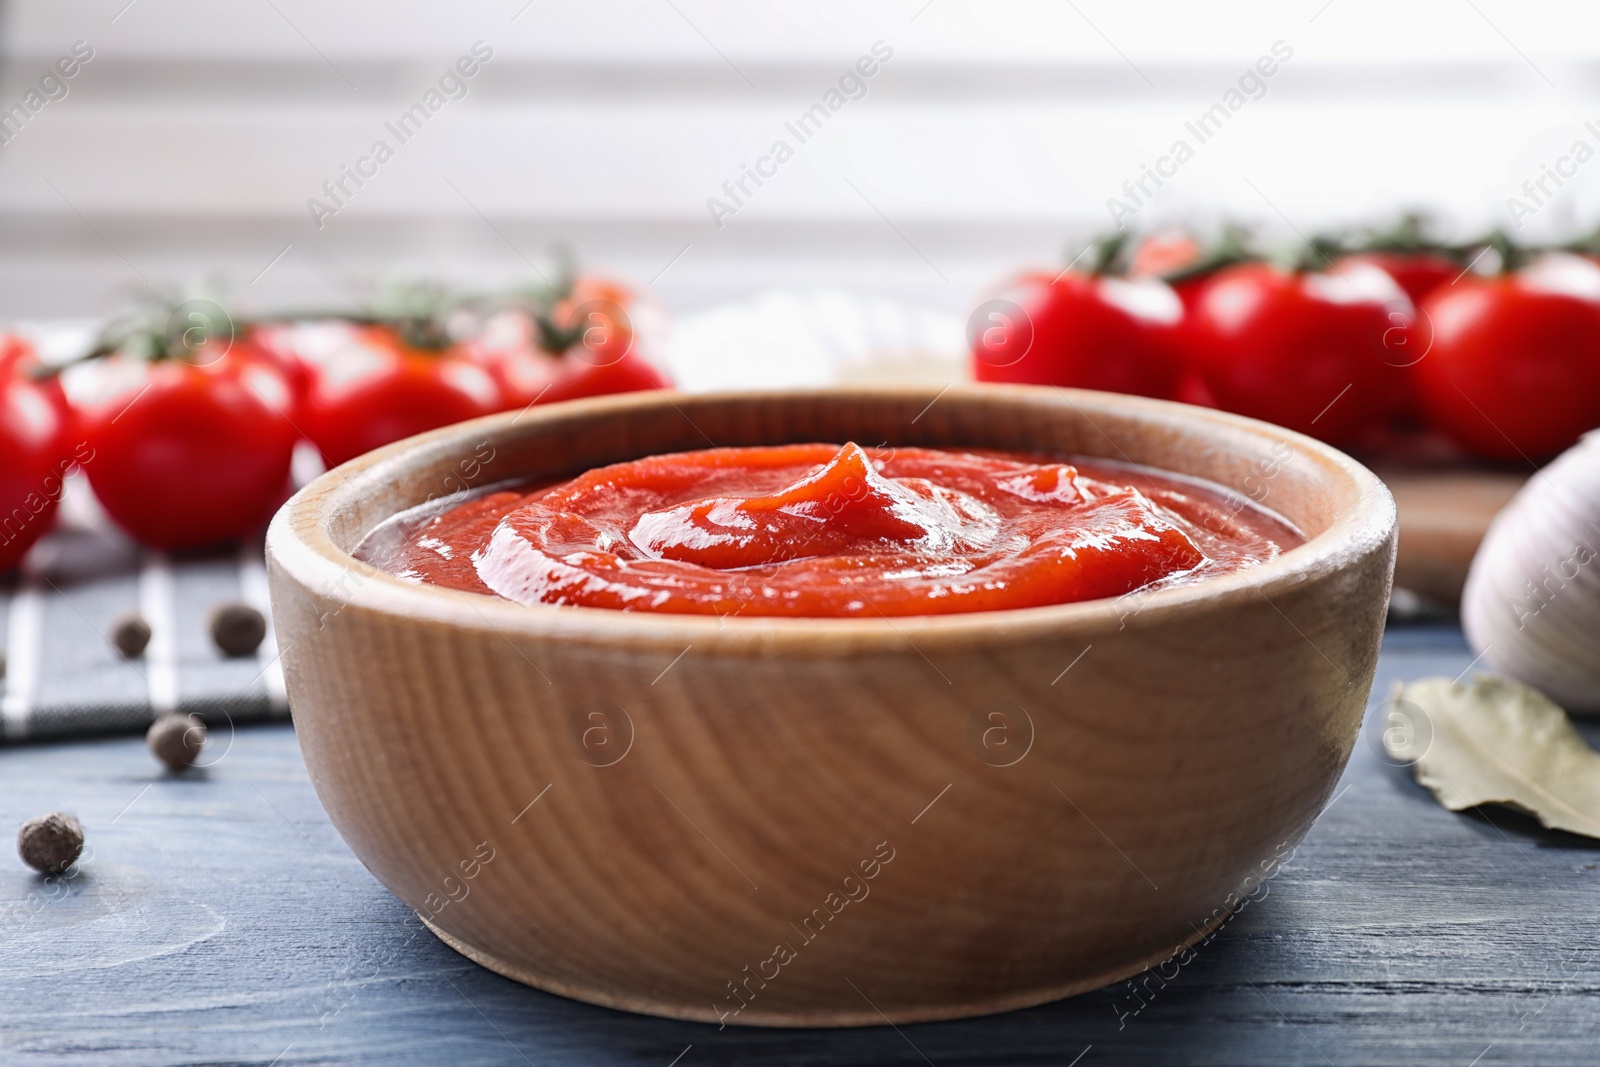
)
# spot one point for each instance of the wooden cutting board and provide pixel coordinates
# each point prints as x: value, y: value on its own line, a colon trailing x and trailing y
x: 1444, y: 514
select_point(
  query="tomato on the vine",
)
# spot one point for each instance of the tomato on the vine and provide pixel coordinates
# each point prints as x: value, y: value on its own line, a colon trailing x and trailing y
x: 1409, y: 252
x: 596, y: 317
x: 1418, y: 273
x: 35, y: 454
x: 627, y: 373
x: 277, y: 343
x: 1188, y: 265
x: 1164, y: 253
x: 506, y: 348
x: 186, y: 451
x: 1324, y: 354
x: 1080, y: 329
x: 583, y: 341
x: 19, y: 357
x: 16, y: 354
x: 1179, y: 260
x: 371, y: 389
x: 1514, y: 367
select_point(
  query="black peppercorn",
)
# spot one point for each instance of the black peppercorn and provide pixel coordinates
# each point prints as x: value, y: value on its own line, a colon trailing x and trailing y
x: 51, y: 843
x: 130, y: 634
x: 176, y: 739
x: 238, y: 629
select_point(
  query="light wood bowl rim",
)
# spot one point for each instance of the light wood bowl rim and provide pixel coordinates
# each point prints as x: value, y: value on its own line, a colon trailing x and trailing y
x: 299, y: 540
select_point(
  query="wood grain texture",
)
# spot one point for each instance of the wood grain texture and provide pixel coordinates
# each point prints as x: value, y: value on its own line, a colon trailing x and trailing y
x: 741, y: 820
x: 1397, y: 933
x: 1443, y: 516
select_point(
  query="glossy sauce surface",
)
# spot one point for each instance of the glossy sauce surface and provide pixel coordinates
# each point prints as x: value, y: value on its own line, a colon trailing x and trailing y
x: 830, y: 530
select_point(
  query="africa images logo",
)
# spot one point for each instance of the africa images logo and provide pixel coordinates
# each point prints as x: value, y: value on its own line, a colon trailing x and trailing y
x: 52, y: 86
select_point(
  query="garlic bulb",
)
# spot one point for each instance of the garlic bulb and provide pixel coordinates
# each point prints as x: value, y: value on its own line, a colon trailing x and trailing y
x: 1531, y: 608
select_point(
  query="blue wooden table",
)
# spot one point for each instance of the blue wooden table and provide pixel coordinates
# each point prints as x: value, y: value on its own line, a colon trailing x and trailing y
x: 219, y: 919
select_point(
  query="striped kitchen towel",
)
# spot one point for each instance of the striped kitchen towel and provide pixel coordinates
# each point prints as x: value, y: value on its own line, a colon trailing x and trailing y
x: 64, y: 678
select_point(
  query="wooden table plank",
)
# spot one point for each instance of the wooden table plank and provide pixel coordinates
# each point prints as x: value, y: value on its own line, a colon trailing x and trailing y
x: 220, y: 919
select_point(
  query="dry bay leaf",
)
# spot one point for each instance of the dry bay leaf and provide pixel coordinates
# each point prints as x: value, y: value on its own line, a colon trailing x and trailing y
x: 1497, y: 741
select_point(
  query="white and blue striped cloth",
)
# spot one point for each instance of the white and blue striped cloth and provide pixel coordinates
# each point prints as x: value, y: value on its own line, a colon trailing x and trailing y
x: 65, y: 678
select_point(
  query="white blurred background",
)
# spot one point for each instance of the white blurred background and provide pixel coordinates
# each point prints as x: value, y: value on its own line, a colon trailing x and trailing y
x: 993, y: 137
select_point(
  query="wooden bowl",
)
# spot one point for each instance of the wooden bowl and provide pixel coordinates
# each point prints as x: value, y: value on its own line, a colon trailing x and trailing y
x: 824, y: 822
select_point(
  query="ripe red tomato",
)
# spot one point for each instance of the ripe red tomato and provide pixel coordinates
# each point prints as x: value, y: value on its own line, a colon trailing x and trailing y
x: 506, y: 347
x: 521, y: 373
x: 34, y: 457
x: 1180, y: 261
x: 1084, y: 330
x: 1190, y: 288
x: 600, y: 313
x: 1188, y: 265
x: 1514, y: 367
x: 15, y: 354
x: 278, y: 344
x: 19, y: 358
x: 592, y: 341
x: 186, y: 452
x: 1320, y: 353
x: 1418, y: 273
x: 370, y: 389
x: 580, y: 378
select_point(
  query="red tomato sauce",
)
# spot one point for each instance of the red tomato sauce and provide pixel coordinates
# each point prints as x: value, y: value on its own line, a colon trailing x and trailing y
x: 824, y: 530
